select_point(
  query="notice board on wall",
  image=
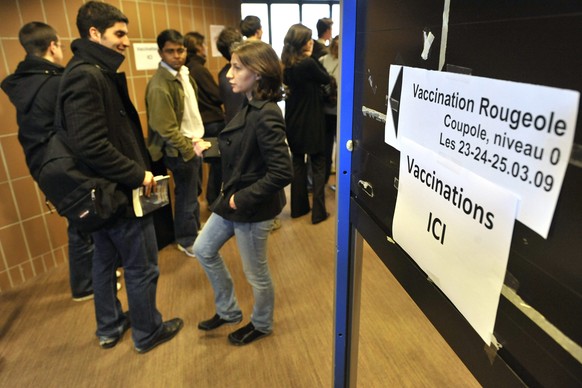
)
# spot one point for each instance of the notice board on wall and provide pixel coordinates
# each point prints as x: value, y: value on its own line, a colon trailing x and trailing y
x: 467, y: 174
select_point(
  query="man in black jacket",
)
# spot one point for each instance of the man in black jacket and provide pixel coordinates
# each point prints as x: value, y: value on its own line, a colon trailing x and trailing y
x: 103, y: 130
x: 33, y: 90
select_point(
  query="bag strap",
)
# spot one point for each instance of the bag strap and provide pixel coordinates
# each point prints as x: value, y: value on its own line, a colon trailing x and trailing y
x: 59, y: 124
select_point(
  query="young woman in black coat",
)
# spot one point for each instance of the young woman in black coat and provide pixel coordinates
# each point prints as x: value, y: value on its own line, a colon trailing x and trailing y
x: 255, y: 169
x: 305, y: 119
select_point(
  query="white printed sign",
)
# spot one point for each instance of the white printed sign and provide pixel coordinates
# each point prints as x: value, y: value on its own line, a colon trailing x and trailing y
x: 517, y: 135
x: 146, y: 56
x: 457, y: 227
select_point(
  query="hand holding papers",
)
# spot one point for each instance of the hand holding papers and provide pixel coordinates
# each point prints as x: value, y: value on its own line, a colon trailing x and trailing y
x: 158, y: 198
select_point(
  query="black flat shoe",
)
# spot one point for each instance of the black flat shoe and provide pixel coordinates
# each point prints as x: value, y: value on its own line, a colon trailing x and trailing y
x: 110, y: 342
x: 245, y: 335
x: 169, y: 330
x: 215, y: 322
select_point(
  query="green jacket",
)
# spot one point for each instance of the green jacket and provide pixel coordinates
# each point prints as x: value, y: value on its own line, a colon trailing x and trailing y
x: 165, y: 109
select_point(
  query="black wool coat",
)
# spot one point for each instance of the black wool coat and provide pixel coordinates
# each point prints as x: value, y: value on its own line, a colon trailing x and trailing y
x: 256, y: 165
x: 102, y: 126
x: 304, y: 113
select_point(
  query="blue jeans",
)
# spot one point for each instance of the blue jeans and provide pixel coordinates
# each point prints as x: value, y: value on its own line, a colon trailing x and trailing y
x: 251, y: 239
x: 80, y: 262
x: 187, y: 208
x: 131, y: 243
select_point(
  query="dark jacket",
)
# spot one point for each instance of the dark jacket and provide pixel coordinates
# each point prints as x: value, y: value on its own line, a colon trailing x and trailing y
x: 33, y: 90
x: 209, y: 102
x: 255, y: 164
x: 304, y: 115
x: 101, y: 123
x: 319, y: 50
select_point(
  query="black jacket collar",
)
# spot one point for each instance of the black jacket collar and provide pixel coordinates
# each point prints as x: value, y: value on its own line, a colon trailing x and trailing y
x: 31, y: 74
x: 240, y: 119
x: 97, y: 54
x: 35, y: 65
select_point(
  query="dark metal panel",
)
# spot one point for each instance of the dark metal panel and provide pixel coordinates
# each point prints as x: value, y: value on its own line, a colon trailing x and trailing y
x: 543, y: 51
x: 479, y: 11
x: 531, y: 353
x: 526, y: 41
x: 382, y: 15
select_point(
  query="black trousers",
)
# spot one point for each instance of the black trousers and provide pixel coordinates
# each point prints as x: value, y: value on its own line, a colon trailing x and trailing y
x: 299, y: 194
x: 330, y: 131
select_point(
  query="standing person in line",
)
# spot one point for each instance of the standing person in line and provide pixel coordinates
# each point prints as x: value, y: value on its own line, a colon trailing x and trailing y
x: 251, y: 27
x: 232, y: 101
x: 256, y: 168
x: 305, y: 121
x: 33, y: 90
x: 103, y: 131
x: 209, y: 103
x: 323, y: 36
x: 174, y: 124
x: 331, y: 63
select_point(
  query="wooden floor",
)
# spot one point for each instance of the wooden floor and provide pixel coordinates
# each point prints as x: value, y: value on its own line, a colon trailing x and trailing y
x: 47, y: 340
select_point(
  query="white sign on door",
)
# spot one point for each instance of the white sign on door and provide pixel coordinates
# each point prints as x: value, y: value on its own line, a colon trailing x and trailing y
x: 517, y: 135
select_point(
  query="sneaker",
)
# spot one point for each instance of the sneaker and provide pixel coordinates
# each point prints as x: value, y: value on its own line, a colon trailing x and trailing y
x: 276, y: 224
x: 109, y: 342
x: 245, y: 335
x: 215, y: 322
x: 188, y: 251
x: 83, y: 298
x: 169, y: 330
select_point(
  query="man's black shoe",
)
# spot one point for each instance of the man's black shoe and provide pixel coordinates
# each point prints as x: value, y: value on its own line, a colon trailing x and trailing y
x: 245, y: 335
x: 169, y: 330
x: 109, y: 342
x: 215, y: 322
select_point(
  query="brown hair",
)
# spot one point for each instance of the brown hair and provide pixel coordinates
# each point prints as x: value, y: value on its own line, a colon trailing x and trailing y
x: 296, y: 38
x: 193, y: 42
x: 334, y: 47
x: 226, y: 39
x: 260, y: 58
